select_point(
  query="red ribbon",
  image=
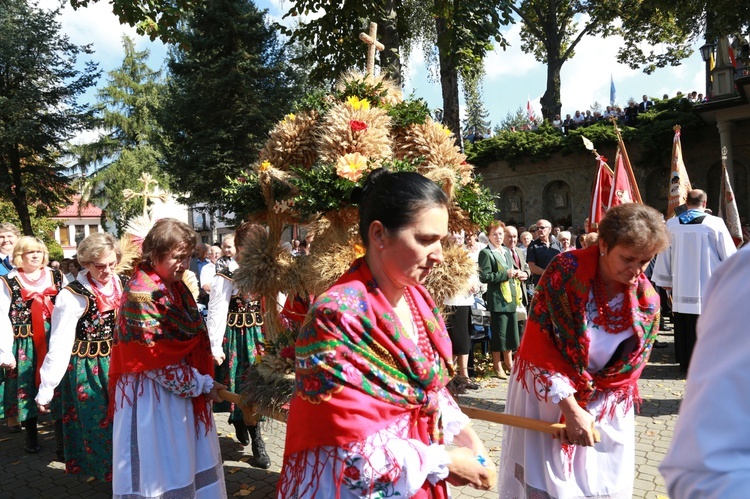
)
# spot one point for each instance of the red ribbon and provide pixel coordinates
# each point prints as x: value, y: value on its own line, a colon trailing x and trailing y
x: 41, y: 309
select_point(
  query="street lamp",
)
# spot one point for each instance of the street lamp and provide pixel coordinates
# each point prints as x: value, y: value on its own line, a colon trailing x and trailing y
x: 706, y: 51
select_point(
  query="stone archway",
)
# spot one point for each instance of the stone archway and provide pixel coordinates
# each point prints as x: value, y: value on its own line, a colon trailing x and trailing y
x: 713, y: 183
x: 511, y: 206
x: 556, y: 203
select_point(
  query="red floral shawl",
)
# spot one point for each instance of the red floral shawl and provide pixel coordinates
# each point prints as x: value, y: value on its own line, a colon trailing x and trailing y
x: 555, y: 338
x: 356, y: 371
x: 159, y: 326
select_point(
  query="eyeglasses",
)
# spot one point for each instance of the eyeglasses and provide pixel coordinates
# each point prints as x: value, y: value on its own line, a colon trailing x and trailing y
x: 102, y: 266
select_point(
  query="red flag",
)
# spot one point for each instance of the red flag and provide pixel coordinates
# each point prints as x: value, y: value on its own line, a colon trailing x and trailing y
x: 622, y: 189
x: 600, y: 195
x: 529, y: 110
x: 728, y: 208
x: 679, y: 183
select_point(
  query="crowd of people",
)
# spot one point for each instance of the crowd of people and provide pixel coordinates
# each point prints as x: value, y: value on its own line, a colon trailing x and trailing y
x: 131, y: 368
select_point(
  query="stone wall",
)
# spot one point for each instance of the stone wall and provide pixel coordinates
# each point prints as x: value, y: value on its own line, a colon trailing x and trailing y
x: 559, y: 188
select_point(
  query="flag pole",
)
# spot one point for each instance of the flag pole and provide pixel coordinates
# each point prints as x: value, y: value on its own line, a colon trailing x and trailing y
x: 626, y: 160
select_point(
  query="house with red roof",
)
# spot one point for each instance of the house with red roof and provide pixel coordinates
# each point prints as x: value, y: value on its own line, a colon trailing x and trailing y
x: 75, y: 226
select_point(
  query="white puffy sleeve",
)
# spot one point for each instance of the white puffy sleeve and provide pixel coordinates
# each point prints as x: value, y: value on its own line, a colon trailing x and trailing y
x: 6, y: 328
x: 69, y: 308
x: 709, y: 456
x: 218, y: 308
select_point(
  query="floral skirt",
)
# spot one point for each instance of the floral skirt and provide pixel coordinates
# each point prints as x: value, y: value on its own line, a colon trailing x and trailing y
x: 242, y: 345
x: 20, y: 384
x: 87, y: 429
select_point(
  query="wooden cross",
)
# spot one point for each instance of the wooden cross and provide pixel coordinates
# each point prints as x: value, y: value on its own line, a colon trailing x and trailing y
x: 147, y: 179
x: 372, y: 41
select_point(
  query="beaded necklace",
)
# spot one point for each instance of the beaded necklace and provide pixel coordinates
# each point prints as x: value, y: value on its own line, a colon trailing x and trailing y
x: 423, y: 341
x: 607, y: 319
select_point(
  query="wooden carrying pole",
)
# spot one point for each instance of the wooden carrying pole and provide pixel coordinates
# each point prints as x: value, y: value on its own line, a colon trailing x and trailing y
x: 517, y: 421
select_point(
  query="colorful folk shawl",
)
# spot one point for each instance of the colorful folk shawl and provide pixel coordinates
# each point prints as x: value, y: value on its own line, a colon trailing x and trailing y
x: 159, y: 326
x: 357, y: 372
x: 555, y: 338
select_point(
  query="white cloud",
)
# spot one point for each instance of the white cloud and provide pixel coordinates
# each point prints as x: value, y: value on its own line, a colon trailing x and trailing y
x: 512, y: 62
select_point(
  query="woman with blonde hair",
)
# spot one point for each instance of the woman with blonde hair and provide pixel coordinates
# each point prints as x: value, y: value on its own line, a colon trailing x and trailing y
x: 503, y: 295
x: 27, y: 299
x: 83, y: 323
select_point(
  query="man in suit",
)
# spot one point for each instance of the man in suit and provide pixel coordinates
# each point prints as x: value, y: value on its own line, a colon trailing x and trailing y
x: 9, y: 235
x: 645, y: 104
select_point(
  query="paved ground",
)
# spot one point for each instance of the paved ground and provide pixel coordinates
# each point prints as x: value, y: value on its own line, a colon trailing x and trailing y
x: 38, y: 476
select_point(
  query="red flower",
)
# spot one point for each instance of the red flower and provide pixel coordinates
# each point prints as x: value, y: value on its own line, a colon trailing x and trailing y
x: 351, y: 473
x: 312, y: 384
x: 556, y: 280
x: 287, y: 352
x: 357, y: 126
x: 83, y: 396
x: 104, y: 423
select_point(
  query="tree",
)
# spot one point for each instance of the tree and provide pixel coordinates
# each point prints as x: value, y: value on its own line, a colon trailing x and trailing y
x: 42, y: 226
x: 476, y: 125
x: 224, y: 95
x: 39, y: 108
x: 513, y: 120
x: 128, y: 106
x: 461, y: 33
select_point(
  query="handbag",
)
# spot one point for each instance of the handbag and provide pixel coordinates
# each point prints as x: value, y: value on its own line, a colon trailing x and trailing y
x: 521, y: 312
x: 480, y: 317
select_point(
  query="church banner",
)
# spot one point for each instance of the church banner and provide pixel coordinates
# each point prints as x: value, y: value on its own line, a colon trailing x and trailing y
x: 728, y: 207
x: 679, y: 183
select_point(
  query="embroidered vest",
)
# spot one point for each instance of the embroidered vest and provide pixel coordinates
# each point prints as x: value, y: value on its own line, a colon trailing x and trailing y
x: 20, y: 311
x: 93, y: 325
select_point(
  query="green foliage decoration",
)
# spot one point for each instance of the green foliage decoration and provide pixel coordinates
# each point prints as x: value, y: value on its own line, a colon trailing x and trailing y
x: 653, y: 133
x: 478, y: 201
x: 408, y: 112
x: 244, y: 196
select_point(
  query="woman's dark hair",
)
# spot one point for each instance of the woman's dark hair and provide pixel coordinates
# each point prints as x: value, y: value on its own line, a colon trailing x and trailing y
x: 165, y: 236
x: 394, y: 199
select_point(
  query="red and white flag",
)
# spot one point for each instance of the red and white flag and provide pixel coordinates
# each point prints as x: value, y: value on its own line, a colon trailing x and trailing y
x: 728, y: 208
x: 600, y: 195
x: 622, y: 190
x: 530, y: 111
x: 679, y: 183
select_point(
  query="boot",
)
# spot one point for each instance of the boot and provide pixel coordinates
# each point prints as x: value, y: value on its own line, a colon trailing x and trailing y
x: 259, y: 448
x: 240, y: 430
x: 59, y: 441
x: 32, y: 440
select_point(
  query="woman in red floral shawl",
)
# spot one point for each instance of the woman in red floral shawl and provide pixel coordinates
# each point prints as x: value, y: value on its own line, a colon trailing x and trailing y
x: 160, y: 379
x: 591, y: 327
x: 371, y: 415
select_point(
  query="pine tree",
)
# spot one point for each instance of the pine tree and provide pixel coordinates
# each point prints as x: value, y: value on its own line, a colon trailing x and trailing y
x: 39, y: 109
x: 476, y: 125
x: 225, y: 93
x: 128, y: 104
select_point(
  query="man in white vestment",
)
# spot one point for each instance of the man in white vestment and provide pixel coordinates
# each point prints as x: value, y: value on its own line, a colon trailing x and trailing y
x: 699, y: 243
x: 710, y: 452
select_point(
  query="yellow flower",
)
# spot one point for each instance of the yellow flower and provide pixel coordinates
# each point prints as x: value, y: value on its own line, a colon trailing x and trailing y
x: 351, y: 166
x: 359, y: 250
x: 356, y: 103
x: 264, y: 166
x: 289, y: 117
x: 445, y: 130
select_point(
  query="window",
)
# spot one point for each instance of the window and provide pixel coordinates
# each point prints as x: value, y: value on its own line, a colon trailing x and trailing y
x: 80, y: 233
x: 93, y: 229
x: 64, y: 239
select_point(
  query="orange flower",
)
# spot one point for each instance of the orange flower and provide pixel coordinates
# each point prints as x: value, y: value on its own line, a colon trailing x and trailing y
x: 351, y: 166
x: 359, y: 250
x: 264, y: 166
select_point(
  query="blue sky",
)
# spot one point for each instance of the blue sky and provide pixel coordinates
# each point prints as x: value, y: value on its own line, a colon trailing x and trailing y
x: 511, y: 78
